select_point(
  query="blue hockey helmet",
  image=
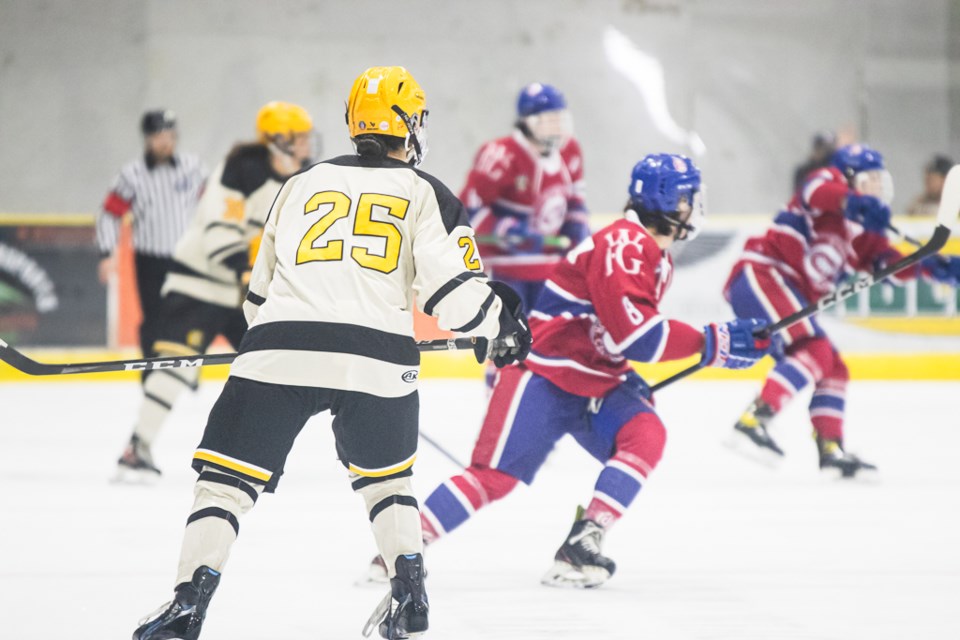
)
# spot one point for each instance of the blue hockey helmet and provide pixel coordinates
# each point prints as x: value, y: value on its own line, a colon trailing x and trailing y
x: 865, y: 170
x: 537, y: 97
x: 854, y: 158
x: 662, y: 187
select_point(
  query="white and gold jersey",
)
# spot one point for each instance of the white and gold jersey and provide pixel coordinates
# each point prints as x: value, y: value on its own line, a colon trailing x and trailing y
x: 215, y: 250
x: 348, y: 245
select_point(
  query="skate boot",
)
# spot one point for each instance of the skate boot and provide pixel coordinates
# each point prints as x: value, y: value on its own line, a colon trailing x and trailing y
x: 403, y: 612
x: 834, y: 459
x: 182, y: 618
x: 135, y: 465
x: 579, y: 562
x: 750, y: 435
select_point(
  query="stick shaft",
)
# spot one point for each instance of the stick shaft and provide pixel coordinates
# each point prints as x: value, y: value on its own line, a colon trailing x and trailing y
x: 19, y: 361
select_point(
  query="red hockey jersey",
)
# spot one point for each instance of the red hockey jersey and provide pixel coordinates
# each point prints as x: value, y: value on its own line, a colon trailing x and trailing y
x: 811, y: 242
x: 599, y: 309
x: 512, y: 186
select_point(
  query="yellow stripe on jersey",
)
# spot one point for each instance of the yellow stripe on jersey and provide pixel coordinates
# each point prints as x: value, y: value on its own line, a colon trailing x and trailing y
x: 385, y: 471
x: 233, y: 464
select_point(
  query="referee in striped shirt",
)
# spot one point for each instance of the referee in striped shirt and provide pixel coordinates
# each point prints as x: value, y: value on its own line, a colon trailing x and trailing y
x: 160, y: 189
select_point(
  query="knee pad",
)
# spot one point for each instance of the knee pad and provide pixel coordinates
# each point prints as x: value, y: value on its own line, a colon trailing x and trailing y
x: 381, y: 493
x: 218, y: 494
x: 486, y: 484
x: 640, y: 442
x: 816, y: 355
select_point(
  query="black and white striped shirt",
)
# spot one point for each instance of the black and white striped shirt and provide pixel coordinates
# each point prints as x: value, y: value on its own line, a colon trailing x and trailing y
x: 162, y: 198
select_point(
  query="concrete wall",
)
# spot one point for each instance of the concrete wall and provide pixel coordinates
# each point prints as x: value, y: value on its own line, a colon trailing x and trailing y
x: 753, y: 78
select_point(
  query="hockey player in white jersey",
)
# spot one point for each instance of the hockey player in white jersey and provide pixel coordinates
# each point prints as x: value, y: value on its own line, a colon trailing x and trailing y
x: 347, y: 245
x: 203, y: 292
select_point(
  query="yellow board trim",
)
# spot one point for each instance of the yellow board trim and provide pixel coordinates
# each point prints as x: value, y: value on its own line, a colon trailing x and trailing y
x: 379, y: 473
x: 165, y: 347
x: 937, y: 326
x: 230, y: 464
x: 863, y: 366
x: 47, y: 219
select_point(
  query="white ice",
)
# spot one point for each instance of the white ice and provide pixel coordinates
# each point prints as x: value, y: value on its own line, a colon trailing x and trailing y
x: 715, y: 547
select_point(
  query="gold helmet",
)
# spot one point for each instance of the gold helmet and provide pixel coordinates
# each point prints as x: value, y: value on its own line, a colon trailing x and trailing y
x: 282, y: 119
x: 388, y: 101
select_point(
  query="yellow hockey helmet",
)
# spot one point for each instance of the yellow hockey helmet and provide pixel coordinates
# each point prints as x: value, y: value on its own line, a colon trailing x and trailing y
x: 389, y: 101
x: 282, y: 119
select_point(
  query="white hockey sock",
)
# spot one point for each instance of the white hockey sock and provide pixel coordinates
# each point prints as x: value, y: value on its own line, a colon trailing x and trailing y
x: 160, y: 390
x: 394, y: 517
x: 213, y: 525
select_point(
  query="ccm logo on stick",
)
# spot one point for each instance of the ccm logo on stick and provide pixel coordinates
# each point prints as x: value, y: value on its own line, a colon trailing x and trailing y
x: 164, y: 364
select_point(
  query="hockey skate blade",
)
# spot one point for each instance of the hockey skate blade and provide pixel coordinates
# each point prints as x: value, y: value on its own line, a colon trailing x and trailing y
x: 379, y: 615
x: 742, y: 445
x: 832, y: 475
x: 135, y: 477
x: 564, y: 575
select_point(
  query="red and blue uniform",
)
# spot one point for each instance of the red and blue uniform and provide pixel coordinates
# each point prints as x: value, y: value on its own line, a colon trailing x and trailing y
x: 514, y: 190
x: 598, y: 310
x: 810, y: 247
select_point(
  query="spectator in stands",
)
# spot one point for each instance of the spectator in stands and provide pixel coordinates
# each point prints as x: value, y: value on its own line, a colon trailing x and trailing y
x: 822, y: 148
x: 160, y: 189
x: 935, y: 173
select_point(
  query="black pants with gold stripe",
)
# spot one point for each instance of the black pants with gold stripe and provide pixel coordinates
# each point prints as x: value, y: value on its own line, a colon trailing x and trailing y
x: 253, y: 425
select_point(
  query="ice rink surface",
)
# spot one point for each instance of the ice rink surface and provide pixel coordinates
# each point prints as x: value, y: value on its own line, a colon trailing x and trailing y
x: 716, y: 547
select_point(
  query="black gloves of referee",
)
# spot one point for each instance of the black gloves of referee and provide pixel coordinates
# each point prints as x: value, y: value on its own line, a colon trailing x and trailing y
x: 513, y: 342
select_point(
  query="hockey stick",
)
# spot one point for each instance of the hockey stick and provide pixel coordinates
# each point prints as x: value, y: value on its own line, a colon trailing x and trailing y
x: 446, y: 454
x: 31, y: 367
x: 947, y: 215
x: 557, y: 242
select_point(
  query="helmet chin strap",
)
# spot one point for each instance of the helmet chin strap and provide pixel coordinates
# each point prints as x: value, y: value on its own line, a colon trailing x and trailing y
x: 411, y: 136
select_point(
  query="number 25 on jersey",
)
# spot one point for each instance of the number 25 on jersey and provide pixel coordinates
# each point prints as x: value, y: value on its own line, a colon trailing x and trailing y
x: 337, y: 204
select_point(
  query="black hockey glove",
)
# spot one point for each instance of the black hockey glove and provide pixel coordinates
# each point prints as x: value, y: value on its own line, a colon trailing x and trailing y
x: 513, y: 342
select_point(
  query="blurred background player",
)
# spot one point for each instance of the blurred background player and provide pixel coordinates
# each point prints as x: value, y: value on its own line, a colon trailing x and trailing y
x: 525, y: 193
x: 203, y: 293
x: 327, y: 333
x: 833, y: 227
x: 934, y: 175
x: 822, y: 147
x: 160, y: 190
x: 597, y: 313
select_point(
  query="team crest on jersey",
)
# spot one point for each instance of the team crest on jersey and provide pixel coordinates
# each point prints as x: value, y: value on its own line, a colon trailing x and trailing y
x: 410, y: 376
x: 597, y: 333
x: 619, y: 241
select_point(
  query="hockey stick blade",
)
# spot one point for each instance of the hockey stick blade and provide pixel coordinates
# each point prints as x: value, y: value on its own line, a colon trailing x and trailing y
x: 946, y: 216
x: 31, y: 367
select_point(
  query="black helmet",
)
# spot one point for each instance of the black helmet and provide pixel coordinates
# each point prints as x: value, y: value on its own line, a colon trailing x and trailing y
x: 158, y: 120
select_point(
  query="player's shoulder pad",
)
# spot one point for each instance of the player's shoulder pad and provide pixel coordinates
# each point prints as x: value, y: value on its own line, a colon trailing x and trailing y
x: 247, y: 168
x: 452, y: 211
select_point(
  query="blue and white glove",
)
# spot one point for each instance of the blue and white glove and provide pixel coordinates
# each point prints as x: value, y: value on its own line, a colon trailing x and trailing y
x: 868, y: 211
x: 515, y: 236
x: 945, y: 269
x: 733, y: 345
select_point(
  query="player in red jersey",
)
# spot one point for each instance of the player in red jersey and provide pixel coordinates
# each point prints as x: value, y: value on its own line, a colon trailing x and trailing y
x: 524, y: 193
x: 597, y: 312
x: 833, y: 226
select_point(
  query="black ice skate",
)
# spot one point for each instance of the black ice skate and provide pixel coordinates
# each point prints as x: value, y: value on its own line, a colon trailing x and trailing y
x: 579, y: 562
x: 403, y: 612
x: 750, y: 435
x: 834, y: 459
x: 135, y: 465
x: 182, y: 618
